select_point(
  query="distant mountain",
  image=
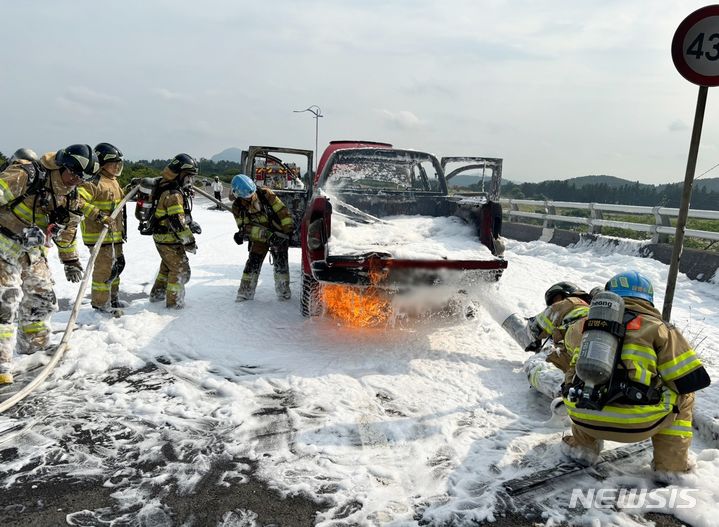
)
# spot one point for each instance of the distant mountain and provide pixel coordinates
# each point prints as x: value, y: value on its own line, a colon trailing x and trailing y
x: 709, y: 184
x: 228, y: 154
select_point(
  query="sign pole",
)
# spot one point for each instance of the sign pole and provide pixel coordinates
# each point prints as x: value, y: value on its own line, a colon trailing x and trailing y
x: 684, y: 207
x: 696, y: 57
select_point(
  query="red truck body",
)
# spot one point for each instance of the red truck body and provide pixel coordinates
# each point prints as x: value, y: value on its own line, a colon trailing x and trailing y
x: 372, y: 194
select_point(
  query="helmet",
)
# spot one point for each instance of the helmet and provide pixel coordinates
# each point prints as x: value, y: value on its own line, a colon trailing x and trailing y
x: 560, y: 288
x: 631, y: 284
x: 183, y: 163
x: 25, y: 154
x: 79, y: 159
x: 243, y: 186
x: 107, y: 153
x: 595, y: 290
x: 217, y: 178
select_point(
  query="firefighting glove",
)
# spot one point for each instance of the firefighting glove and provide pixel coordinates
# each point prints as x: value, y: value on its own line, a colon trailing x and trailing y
x: 73, y: 270
x: 191, y: 248
x: 195, y: 227
x: 105, y: 220
x: 239, y: 237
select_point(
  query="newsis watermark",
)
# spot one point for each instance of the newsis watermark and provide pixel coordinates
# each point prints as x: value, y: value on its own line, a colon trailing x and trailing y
x: 623, y: 498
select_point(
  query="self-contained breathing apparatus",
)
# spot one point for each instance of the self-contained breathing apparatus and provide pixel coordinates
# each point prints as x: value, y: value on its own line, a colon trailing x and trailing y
x: 148, y: 196
x: 58, y: 217
x: 601, y: 377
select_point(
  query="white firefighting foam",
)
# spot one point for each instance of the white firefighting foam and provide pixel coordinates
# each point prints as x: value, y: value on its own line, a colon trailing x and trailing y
x: 402, y: 426
x: 411, y: 237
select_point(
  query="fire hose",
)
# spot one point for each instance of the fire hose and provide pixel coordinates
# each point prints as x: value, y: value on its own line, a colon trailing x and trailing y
x: 62, y: 347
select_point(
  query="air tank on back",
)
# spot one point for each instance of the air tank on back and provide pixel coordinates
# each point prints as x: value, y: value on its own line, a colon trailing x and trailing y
x: 599, y: 347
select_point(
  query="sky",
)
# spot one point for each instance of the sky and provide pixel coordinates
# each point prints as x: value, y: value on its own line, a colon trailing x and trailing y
x: 558, y: 89
x: 414, y: 422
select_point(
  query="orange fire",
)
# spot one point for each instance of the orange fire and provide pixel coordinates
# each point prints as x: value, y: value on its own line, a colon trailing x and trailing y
x: 360, y: 307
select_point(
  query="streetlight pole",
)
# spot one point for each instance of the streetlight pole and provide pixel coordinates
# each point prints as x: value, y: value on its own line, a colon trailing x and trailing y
x: 317, y: 112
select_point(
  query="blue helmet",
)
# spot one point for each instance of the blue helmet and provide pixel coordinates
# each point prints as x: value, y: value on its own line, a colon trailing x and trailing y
x: 243, y: 186
x: 631, y: 284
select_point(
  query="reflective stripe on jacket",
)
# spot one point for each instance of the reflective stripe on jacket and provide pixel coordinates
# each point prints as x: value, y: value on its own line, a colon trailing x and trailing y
x: 256, y: 223
x: 653, y: 354
x: 171, y: 203
x: 104, y: 196
x: 31, y: 210
x: 555, y: 319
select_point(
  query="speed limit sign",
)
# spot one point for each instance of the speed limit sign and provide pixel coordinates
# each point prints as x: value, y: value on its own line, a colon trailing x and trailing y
x: 695, y: 47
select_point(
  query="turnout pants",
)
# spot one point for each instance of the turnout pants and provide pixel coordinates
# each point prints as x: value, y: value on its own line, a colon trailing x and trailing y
x: 545, y: 370
x: 174, y: 273
x: 671, y: 438
x: 26, y: 297
x: 251, y: 273
x: 104, y: 292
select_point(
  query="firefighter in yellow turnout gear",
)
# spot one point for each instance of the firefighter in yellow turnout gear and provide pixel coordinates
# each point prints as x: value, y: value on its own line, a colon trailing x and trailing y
x: 38, y: 202
x: 662, y: 373
x: 266, y: 222
x: 566, y: 303
x: 173, y: 234
x: 102, y: 195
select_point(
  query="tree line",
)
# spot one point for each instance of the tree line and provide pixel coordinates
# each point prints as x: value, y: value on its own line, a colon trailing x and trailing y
x: 629, y: 194
x: 153, y: 168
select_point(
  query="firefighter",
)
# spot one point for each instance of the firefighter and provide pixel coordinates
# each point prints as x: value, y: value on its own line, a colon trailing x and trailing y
x: 21, y: 153
x: 264, y: 220
x: 174, y: 233
x: 38, y: 202
x: 655, y: 396
x: 217, y: 189
x: 566, y: 303
x: 104, y: 194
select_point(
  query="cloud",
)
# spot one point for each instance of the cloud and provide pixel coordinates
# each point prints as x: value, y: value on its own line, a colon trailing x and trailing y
x: 401, y: 120
x: 81, y: 100
x: 677, y: 126
x: 168, y: 95
x: 83, y: 94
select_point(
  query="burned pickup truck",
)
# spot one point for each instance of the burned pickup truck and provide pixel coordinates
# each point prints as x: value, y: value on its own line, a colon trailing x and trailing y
x: 374, y: 211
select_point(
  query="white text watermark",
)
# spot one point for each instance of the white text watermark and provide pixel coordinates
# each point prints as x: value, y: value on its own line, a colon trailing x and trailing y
x: 622, y: 498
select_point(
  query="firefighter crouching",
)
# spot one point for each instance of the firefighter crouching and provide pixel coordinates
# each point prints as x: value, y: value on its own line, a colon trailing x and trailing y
x: 173, y: 233
x: 102, y: 195
x: 38, y: 202
x: 653, y: 373
x: 264, y: 220
x: 566, y: 303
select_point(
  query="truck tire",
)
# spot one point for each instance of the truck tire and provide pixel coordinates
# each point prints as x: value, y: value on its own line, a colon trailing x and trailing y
x: 310, y: 303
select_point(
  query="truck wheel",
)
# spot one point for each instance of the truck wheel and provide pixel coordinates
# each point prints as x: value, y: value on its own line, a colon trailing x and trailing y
x: 310, y: 303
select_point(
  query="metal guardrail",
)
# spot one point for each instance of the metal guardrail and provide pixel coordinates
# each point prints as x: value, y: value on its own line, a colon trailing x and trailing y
x: 660, y: 230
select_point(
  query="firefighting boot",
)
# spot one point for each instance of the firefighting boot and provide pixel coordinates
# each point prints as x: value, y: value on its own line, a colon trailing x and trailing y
x: 585, y: 452
x: 6, y: 378
x: 158, y: 291
x: 175, y: 296
x: 247, y: 287
x: 109, y: 310
x: 159, y: 288
x: 117, y: 303
x: 282, y: 288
